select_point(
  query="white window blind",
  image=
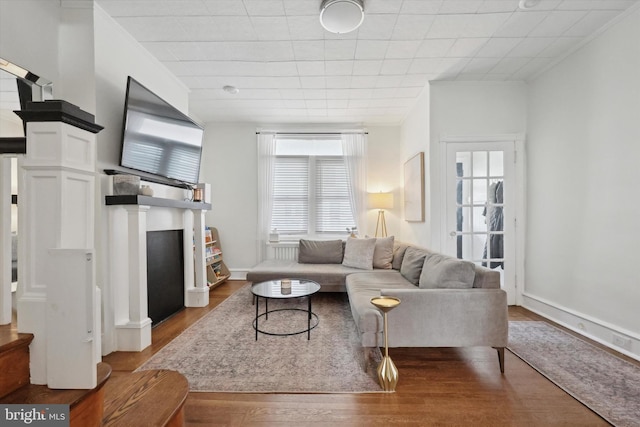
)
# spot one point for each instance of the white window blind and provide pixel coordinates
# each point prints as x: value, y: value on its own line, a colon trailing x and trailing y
x: 311, y: 196
x: 290, y: 213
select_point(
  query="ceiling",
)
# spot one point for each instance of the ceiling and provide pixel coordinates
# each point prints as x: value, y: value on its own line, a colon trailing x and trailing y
x: 290, y: 70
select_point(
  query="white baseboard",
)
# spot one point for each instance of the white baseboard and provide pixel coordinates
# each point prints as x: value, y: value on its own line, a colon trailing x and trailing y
x: 238, y: 273
x: 612, y: 336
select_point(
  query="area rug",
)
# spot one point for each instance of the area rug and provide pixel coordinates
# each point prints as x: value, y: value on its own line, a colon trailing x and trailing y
x: 608, y: 385
x: 219, y: 353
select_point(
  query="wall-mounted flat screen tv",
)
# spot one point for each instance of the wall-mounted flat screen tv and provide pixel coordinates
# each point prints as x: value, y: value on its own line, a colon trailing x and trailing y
x: 157, y: 138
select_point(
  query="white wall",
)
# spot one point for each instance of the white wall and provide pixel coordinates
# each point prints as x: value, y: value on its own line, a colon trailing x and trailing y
x: 414, y: 134
x: 229, y: 163
x: 583, y: 199
x: 468, y: 109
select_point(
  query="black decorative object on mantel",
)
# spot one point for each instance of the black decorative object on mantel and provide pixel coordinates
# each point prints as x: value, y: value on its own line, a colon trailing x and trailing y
x: 155, y: 201
x: 57, y: 110
x: 13, y: 145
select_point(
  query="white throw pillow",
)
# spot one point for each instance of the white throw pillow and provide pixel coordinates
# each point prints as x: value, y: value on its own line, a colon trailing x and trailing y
x: 383, y: 253
x: 358, y: 253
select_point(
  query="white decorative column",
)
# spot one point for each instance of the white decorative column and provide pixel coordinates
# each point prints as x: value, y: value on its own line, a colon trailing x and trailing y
x: 197, y: 291
x: 57, y: 292
x: 134, y: 334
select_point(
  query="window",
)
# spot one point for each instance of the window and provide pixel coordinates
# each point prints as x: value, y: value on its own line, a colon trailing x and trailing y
x: 311, y: 194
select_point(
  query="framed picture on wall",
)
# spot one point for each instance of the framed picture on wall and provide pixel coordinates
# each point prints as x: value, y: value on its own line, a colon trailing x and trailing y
x: 414, y: 188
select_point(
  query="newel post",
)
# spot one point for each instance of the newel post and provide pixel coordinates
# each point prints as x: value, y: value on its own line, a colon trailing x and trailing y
x: 57, y: 297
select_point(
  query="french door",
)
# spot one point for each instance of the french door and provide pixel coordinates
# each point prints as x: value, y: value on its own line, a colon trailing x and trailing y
x: 481, y: 206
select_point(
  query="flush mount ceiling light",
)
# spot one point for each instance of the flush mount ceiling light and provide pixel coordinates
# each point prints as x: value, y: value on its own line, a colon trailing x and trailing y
x: 341, y: 16
x: 231, y: 89
x: 528, y: 4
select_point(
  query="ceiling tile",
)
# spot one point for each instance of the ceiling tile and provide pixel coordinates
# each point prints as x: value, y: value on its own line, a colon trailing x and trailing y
x: 520, y: 24
x: 264, y: 7
x: 389, y: 81
x: 309, y: 50
x: 413, y: 80
x: 337, y: 103
x: 479, y: 66
x: 316, y: 103
x: 495, y: 6
x: 434, y: 48
x: 484, y: 25
x: 424, y: 66
x: 363, y: 81
x: 313, y: 82
x: 339, y: 94
x: 395, y: 66
x: 216, y: 28
x: 384, y: 93
x: 338, y: 82
x: 315, y: 94
x: 531, y: 47
x: 224, y: 7
x: 466, y: 47
x: 161, y: 50
x: 409, y: 92
x: 338, y: 68
x: 305, y: 28
x: 270, y: 27
x: 402, y: 49
x: 339, y: 49
x: 383, y: 6
x: 376, y: 27
x: 294, y: 103
x: 310, y: 68
x: 510, y: 65
x: 359, y: 93
x: 291, y: 94
x: 556, y: 23
x: 164, y: 8
x: 428, y: 7
x: 593, y: 21
x: 367, y: 67
x: 151, y: 29
x: 412, y: 27
x: 301, y: 7
x: 560, y: 46
x: 497, y: 47
x: 448, y: 26
x: 460, y: 6
x: 371, y: 49
x: 531, y: 68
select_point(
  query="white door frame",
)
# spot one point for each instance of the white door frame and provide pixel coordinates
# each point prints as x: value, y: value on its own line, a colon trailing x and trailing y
x: 519, y: 199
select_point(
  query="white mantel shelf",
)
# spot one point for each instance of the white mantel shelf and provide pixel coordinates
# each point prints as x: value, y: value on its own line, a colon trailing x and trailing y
x: 155, y: 201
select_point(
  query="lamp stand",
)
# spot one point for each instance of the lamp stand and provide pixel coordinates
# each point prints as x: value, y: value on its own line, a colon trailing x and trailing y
x: 381, y: 224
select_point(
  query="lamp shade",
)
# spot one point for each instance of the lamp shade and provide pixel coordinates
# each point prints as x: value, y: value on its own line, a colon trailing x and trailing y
x: 380, y: 200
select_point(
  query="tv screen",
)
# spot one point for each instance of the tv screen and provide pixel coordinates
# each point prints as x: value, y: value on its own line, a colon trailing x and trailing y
x: 157, y: 138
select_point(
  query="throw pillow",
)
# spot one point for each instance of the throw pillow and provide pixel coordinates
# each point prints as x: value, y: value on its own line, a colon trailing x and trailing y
x: 398, y: 254
x: 412, y: 264
x: 441, y: 271
x: 383, y: 252
x: 320, y: 251
x: 358, y: 253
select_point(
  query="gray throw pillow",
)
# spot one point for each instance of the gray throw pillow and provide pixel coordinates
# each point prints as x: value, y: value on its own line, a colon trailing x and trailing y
x: 320, y: 251
x: 358, y: 253
x: 441, y: 271
x: 412, y: 264
x: 399, y: 249
x: 383, y: 252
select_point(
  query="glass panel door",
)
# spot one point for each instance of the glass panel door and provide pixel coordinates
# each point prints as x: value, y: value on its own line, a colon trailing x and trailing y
x: 480, y: 221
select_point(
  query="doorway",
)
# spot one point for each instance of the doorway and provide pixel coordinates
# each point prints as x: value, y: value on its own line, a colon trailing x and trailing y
x: 483, y: 193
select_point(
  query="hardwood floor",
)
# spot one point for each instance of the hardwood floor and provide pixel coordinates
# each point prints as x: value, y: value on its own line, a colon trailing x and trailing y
x: 437, y: 386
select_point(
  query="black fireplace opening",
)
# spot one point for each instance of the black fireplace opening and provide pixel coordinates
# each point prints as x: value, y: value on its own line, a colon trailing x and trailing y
x: 165, y: 274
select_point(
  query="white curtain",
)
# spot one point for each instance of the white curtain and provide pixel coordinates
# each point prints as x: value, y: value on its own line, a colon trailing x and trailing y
x: 354, y: 150
x: 266, y: 167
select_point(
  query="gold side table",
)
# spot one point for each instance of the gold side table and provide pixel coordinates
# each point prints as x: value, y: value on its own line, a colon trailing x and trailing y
x: 387, y: 371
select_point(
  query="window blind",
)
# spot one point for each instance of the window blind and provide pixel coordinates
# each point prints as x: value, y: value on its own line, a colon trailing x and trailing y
x: 290, y: 214
x: 333, y: 208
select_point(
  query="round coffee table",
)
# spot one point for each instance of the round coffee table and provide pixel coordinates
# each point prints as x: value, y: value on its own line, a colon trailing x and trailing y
x: 272, y: 289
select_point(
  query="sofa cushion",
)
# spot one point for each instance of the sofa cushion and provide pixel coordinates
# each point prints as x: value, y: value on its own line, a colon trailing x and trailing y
x: 358, y: 253
x: 383, y: 252
x: 320, y: 251
x: 412, y: 264
x: 399, y: 249
x: 441, y: 271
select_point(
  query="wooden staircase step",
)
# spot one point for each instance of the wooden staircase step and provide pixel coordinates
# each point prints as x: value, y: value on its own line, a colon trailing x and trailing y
x: 85, y: 406
x: 152, y: 398
x: 14, y: 360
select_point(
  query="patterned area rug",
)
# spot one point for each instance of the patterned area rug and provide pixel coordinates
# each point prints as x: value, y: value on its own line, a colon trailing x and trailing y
x: 219, y: 353
x: 606, y: 384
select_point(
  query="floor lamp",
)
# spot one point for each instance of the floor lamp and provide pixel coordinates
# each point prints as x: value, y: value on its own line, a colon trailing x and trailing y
x: 381, y: 201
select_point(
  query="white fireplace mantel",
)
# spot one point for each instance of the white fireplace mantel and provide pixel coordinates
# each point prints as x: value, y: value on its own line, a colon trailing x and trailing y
x: 129, y: 217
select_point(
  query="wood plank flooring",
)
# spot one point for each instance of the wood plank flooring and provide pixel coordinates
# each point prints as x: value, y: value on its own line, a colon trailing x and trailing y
x: 437, y: 386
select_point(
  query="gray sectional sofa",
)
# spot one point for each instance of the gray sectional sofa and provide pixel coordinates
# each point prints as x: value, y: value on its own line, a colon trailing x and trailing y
x: 446, y: 302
